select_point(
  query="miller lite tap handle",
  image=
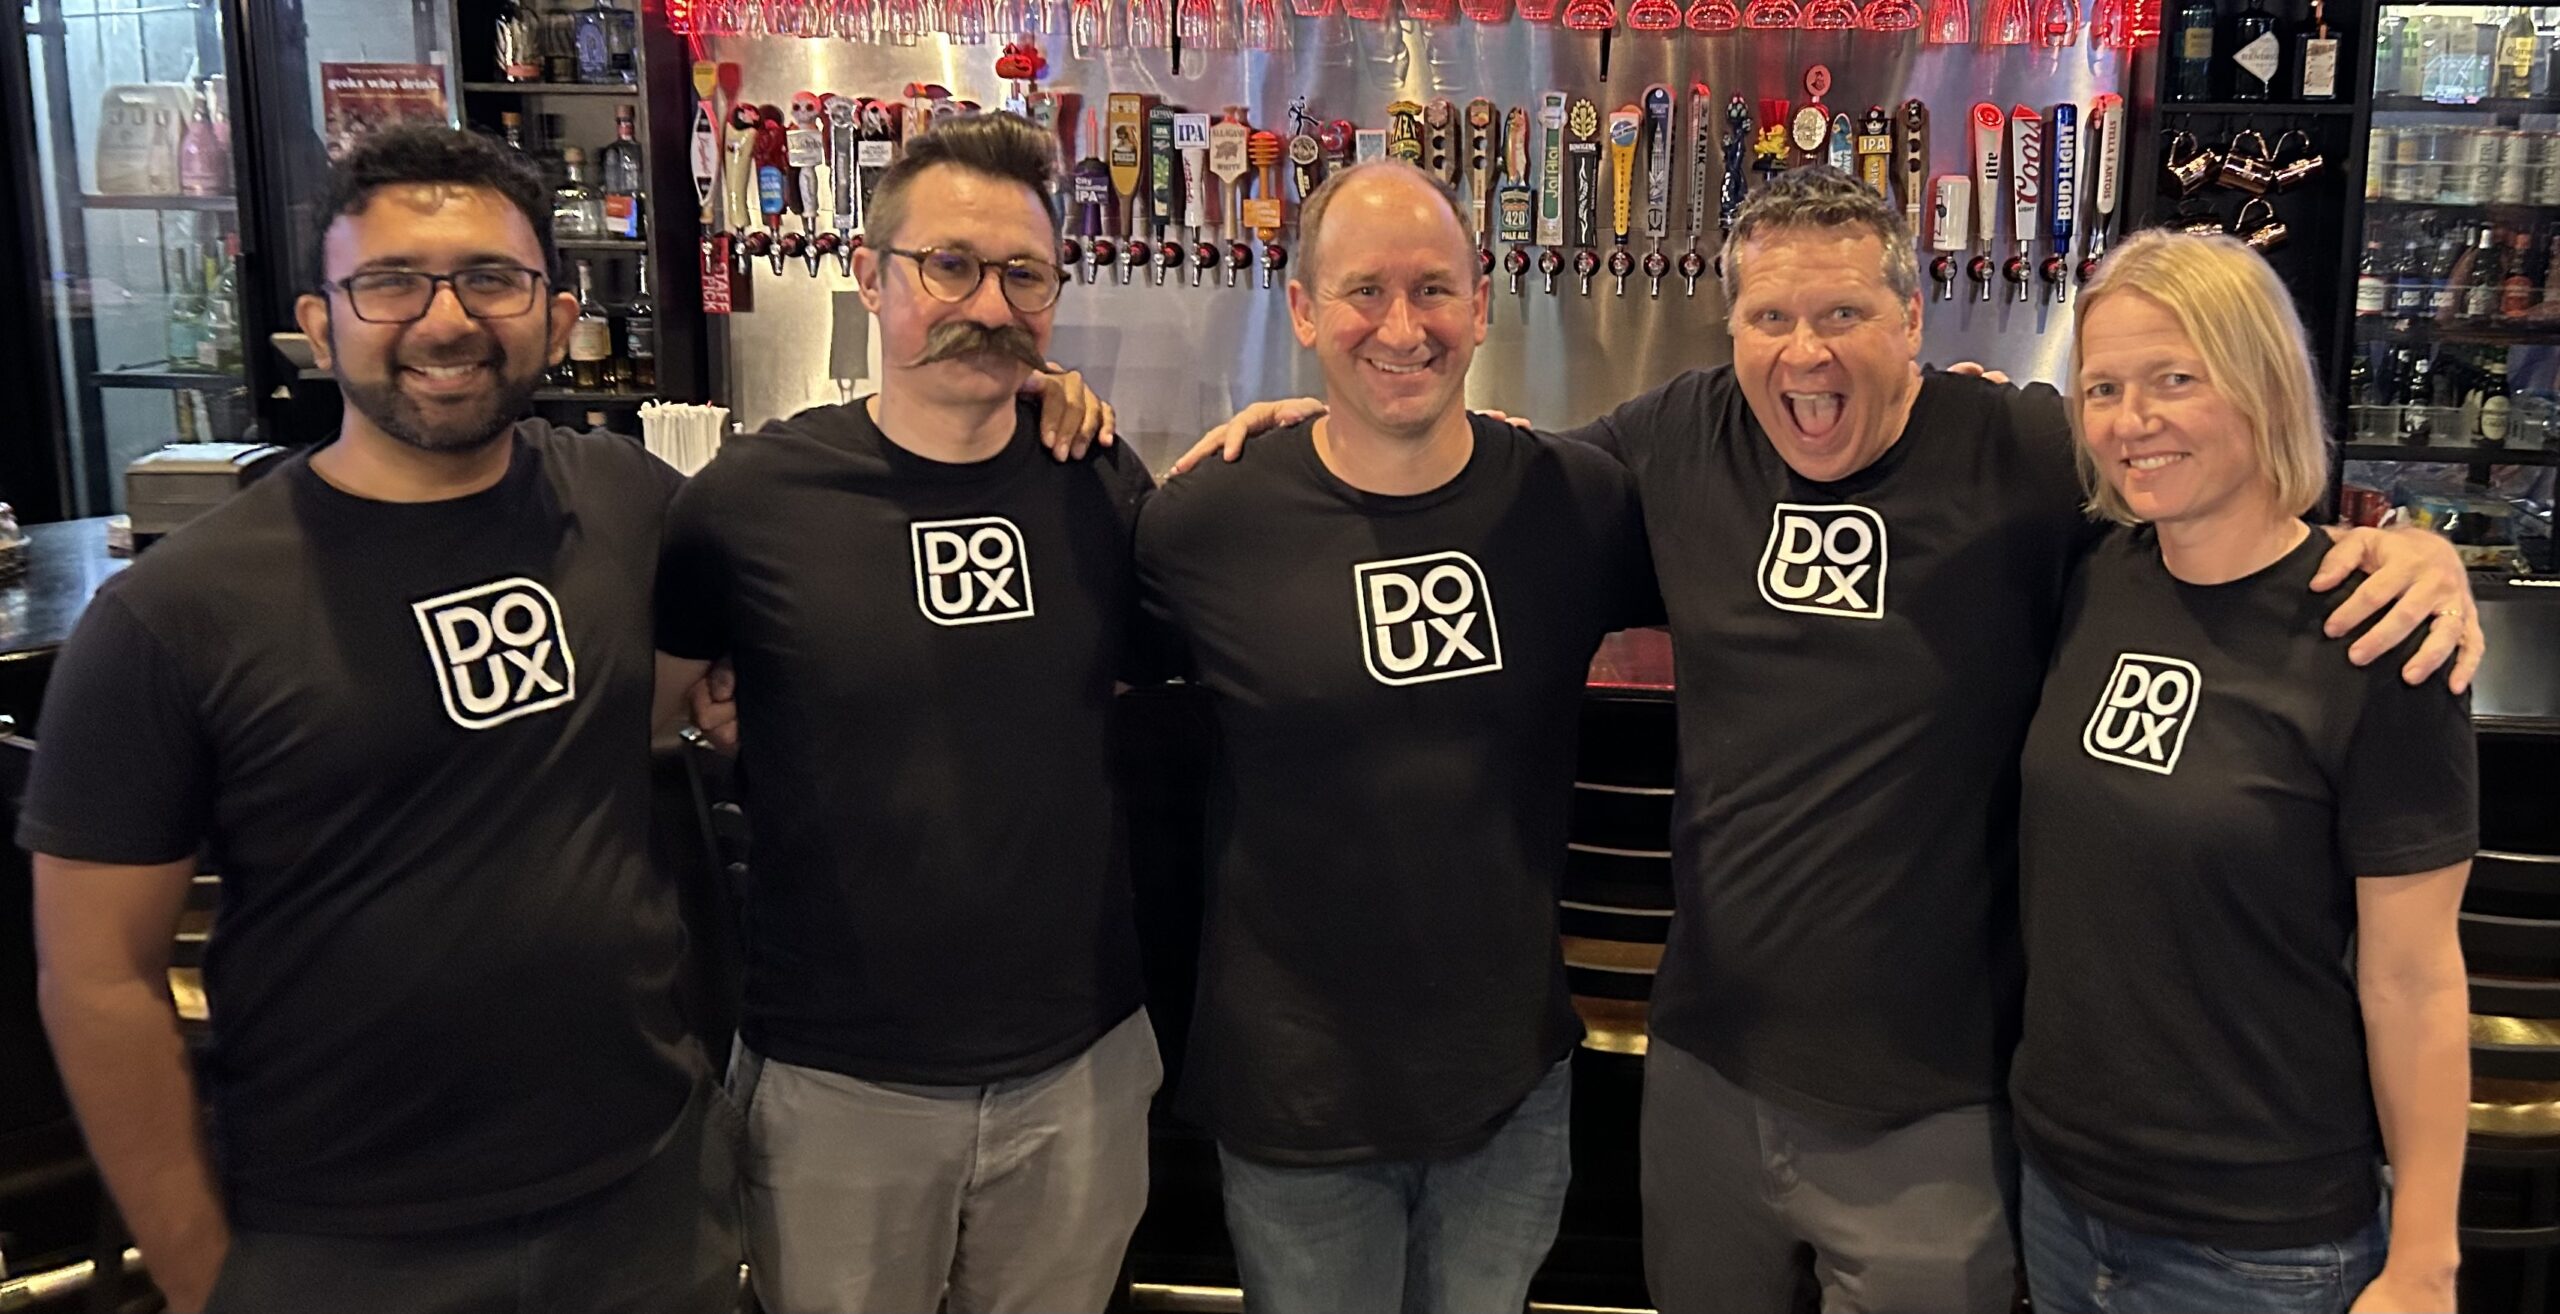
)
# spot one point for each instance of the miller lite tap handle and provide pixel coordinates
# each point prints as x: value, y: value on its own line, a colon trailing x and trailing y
x: 1584, y: 121
x: 1702, y: 150
x: 1737, y: 144
x: 1913, y: 176
x: 1482, y: 166
x: 1625, y: 123
x: 1440, y: 141
x: 1551, y: 116
x: 1875, y: 151
x: 1987, y: 150
x: 2026, y: 172
x: 1163, y: 181
x: 1658, y: 146
x: 2066, y: 168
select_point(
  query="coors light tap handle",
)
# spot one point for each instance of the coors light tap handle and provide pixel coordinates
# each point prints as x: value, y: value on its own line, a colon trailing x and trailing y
x: 2026, y: 193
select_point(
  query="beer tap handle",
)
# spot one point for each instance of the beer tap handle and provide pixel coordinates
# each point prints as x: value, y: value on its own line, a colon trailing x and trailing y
x: 2026, y: 192
x: 1988, y: 122
x: 2106, y: 128
x: 1952, y: 211
x: 2065, y: 190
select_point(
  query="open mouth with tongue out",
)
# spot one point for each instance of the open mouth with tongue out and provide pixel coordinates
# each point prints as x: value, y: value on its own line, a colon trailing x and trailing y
x: 1816, y: 415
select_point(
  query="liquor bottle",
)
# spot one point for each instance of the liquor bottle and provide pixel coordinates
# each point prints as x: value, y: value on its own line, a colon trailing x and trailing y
x: 2194, y: 78
x: 591, y: 338
x: 186, y: 312
x: 602, y: 36
x: 2416, y: 394
x: 519, y: 43
x: 511, y: 132
x: 559, y: 43
x: 619, y: 176
x: 2386, y: 56
x: 2255, y: 53
x: 2539, y: 84
x: 576, y: 211
x: 2488, y: 279
x: 2513, y: 78
x: 2518, y: 289
x: 2414, y: 49
x: 2373, y: 290
x: 2315, y: 58
x: 640, y: 335
x: 221, y: 347
x: 2497, y: 404
x: 617, y: 366
x: 2551, y: 269
x: 204, y: 163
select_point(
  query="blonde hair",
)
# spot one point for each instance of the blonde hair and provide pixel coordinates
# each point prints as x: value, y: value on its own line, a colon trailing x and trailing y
x: 2243, y: 324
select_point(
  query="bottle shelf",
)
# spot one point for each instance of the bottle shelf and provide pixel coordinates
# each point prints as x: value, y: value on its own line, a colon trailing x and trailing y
x: 167, y: 379
x: 95, y: 201
x: 2274, y: 109
x: 594, y: 398
x: 601, y: 243
x: 2448, y: 453
x: 2491, y: 208
x: 625, y: 90
x: 2542, y: 332
x: 2422, y: 105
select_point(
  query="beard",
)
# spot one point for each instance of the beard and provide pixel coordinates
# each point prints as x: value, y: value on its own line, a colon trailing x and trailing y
x: 467, y: 425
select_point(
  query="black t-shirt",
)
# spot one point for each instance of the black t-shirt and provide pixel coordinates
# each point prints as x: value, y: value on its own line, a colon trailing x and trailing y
x: 1856, y: 663
x: 2205, y: 781
x: 925, y: 656
x: 1397, y: 683
x: 417, y: 738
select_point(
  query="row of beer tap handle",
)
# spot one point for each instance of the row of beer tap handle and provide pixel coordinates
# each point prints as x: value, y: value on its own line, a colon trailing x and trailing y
x: 1177, y: 196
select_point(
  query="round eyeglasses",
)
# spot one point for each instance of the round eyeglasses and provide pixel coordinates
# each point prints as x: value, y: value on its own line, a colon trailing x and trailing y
x: 398, y: 296
x: 1029, y: 284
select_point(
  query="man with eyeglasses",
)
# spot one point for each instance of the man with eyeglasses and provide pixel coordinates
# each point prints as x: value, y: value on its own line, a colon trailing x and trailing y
x: 402, y: 689
x: 943, y: 1063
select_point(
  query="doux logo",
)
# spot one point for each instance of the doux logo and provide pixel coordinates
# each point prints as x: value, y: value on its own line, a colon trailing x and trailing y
x: 499, y: 650
x: 2144, y: 712
x: 1426, y: 618
x: 1826, y: 560
x: 969, y: 572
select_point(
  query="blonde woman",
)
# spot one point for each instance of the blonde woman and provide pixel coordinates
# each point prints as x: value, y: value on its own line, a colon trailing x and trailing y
x: 2242, y: 856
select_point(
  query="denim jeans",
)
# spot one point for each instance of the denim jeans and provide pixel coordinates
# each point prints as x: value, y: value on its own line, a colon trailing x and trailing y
x: 1453, y: 1236
x: 2079, y: 1264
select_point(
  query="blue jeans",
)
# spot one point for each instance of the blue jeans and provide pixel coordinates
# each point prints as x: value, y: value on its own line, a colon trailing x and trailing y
x: 1453, y: 1236
x: 2079, y: 1264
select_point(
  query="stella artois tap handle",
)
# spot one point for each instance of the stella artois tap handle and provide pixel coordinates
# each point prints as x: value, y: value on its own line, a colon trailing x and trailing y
x: 2106, y: 137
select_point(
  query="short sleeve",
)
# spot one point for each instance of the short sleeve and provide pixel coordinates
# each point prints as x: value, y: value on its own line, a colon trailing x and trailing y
x: 692, y: 607
x: 1159, y: 648
x: 123, y: 770
x: 1633, y: 432
x: 2409, y: 791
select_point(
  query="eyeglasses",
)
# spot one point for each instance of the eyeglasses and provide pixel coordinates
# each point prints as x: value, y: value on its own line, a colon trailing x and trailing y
x: 1030, y: 284
x: 399, y: 296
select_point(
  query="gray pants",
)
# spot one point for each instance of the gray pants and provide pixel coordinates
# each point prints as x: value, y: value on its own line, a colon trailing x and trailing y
x: 663, y: 1240
x: 870, y: 1198
x: 1917, y: 1219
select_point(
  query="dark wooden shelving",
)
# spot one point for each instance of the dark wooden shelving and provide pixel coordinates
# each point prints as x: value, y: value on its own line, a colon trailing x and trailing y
x: 167, y: 379
x: 2539, y: 334
x: 2421, y: 105
x: 95, y: 201
x: 625, y: 90
x: 2274, y: 109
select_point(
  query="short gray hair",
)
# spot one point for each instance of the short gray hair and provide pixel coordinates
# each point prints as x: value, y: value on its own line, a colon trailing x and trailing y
x: 1818, y: 196
x: 1312, y: 212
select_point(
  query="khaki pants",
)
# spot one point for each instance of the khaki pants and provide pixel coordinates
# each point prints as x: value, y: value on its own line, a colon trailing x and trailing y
x: 871, y: 1198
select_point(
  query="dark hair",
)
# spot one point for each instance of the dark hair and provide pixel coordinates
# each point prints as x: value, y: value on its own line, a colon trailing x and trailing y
x: 432, y: 153
x: 1819, y: 196
x: 996, y: 144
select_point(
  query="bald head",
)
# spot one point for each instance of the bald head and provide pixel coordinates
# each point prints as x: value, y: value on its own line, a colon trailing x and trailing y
x: 1391, y: 192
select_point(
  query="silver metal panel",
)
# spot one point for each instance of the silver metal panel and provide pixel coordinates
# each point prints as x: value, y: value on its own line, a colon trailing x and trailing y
x: 1176, y: 359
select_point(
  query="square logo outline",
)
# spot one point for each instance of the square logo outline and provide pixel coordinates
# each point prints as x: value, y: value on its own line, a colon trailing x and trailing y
x: 2186, y: 718
x: 425, y: 612
x: 1360, y: 573
x: 1021, y: 556
x: 1769, y: 552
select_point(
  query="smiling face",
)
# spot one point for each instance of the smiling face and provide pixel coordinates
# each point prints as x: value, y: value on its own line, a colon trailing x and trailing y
x: 445, y: 381
x: 1825, y: 352
x: 2159, y: 431
x: 1397, y: 308
x: 954, y: 209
